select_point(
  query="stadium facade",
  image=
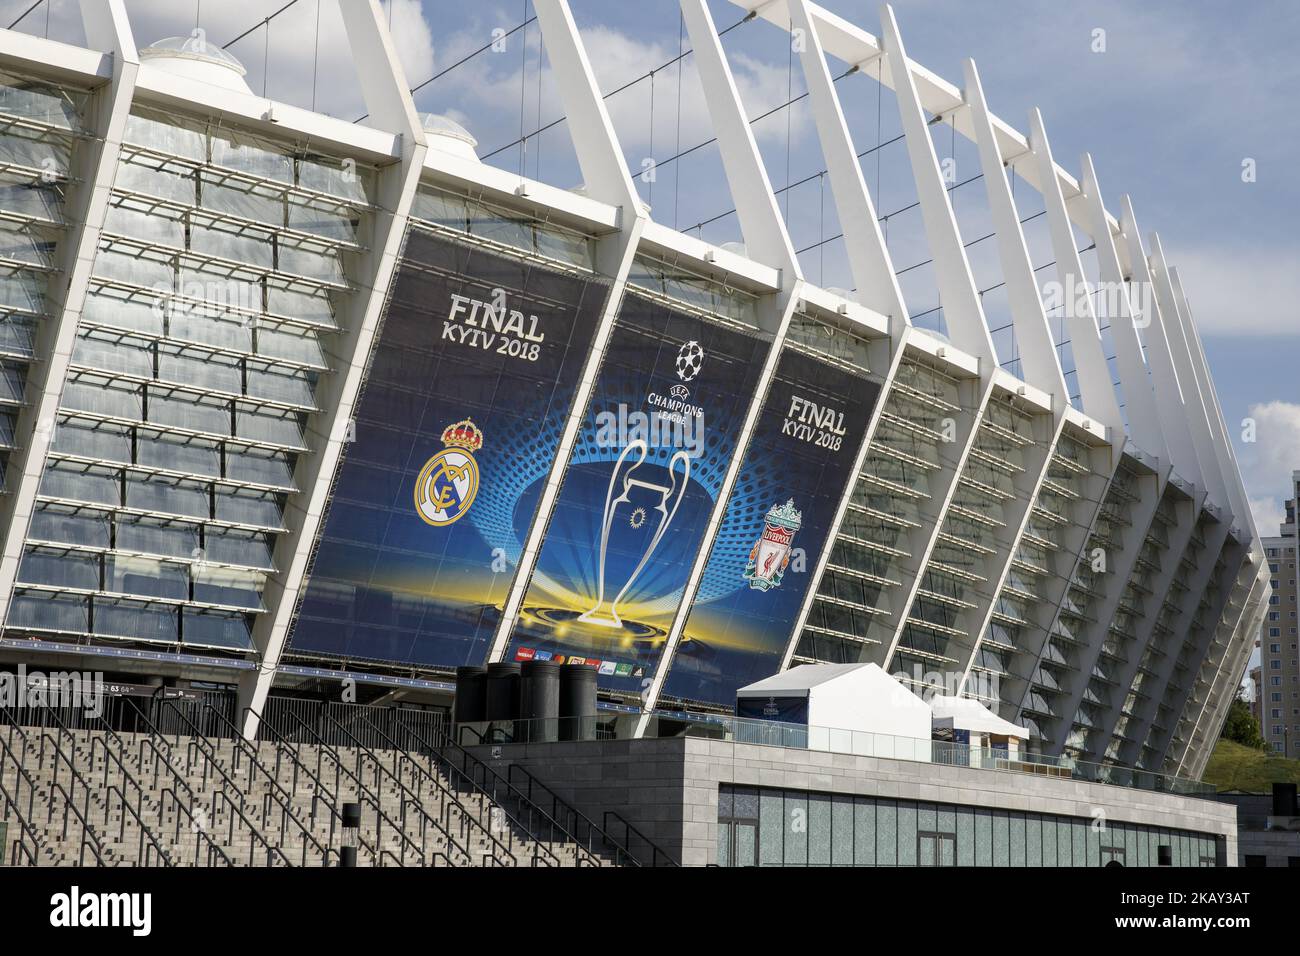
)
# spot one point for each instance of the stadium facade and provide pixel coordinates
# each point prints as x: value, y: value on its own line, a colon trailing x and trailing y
x: 291, y: 400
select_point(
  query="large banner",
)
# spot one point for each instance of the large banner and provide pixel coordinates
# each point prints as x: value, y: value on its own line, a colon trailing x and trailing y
x: 646, y: 472
x: 797, y: 467
x: 457, y: 429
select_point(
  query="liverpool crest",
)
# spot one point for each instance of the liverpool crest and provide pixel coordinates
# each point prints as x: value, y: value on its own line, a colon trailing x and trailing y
x: 770, y: 555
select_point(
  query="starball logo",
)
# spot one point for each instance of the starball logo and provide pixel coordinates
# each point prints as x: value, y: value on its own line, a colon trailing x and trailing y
x: 673, y: 420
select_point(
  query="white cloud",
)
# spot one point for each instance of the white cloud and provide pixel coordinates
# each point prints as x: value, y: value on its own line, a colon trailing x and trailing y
x: 1241, y: 291
x: 299, y: 65
x: 1267, y: 462
x: 1268, y: 515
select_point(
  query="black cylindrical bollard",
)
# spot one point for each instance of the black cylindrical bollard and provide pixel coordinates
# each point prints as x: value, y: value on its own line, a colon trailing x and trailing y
x: 577, y: 702
x: 1165, y: 855
x: 471, y: 695
x: 539, y: 701
x: 502, y: 700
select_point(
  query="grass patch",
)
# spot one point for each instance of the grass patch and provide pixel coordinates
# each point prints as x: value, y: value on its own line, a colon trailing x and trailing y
x: 1233, y: 766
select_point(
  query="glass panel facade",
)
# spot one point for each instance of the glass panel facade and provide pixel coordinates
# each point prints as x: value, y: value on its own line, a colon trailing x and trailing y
x: 208, y: 322
x: 796, y: 828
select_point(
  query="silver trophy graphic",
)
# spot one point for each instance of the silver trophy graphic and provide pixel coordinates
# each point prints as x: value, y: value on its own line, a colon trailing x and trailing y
x: 605, y: 612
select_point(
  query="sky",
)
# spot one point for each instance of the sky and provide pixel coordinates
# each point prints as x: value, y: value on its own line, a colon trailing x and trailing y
x: 1173, y: 99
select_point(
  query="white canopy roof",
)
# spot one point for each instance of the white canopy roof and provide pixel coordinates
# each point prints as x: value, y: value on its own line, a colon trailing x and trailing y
x: 798, y: 680
x: 966, y: 714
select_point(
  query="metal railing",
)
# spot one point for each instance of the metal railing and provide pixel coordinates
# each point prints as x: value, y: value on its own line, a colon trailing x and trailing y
x: 743, y: 730
x: 537, y: 791
x: 450, y: 801
x: 658, y: 857
x: 274, y: 791
x: 378, y: 726
x: 366, y: 796
x: 197, y: 826
x: 364, y: 754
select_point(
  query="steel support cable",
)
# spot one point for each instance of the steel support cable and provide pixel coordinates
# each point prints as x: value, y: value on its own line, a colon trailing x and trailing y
x: 629, y: 84
x: 22, y: 16
x: 258, y: 26
x: 465, y: 59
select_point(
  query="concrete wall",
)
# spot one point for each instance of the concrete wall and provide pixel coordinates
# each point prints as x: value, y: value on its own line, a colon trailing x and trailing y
x: 1278, y: 847
x: 668, y: 788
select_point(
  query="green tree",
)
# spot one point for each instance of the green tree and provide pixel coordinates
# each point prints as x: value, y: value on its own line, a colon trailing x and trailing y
x: 1241, y: 726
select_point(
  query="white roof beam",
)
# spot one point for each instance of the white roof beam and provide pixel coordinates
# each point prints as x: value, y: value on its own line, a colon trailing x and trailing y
x: 1039, y: 363
x: 958, y: 295
x: 850, y: 43
x: 89, y: 191
x: 594, y: 141
x: 864, y: 242
x: 1096, y: 388
x: 1139, y: 396
x: 1196, y: 409
x: 1223, y: 446
x: 1164, y: 376
x: 388, y: 98
x: 766, y: 237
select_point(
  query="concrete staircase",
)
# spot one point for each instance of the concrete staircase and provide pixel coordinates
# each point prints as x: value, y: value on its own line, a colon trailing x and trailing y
x: 95, y: 796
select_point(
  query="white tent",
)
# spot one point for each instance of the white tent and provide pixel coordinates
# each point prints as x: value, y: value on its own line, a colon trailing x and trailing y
x: 836, y: 702
x: 962, y: 713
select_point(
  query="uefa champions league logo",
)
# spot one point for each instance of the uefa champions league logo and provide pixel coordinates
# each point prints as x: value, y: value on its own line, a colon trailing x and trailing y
x: 690, y: 359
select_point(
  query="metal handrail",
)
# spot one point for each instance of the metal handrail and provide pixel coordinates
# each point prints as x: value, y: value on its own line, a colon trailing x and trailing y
x: 620, y: 849
x: 144, y: 830
x: 466, y: 816
x: 319, y: 791
x: 511, y: 790
x: 365, y: 794
x: 25, y: 827
x: 365, y: 752
x: 153, y: 741
x: 24, y: 776
x: 252, y: 830
x: 195, y: 826
x: 88, y: 834
x: 276, y: 791
x: 25, y: 830
x: 127, y: 776
x: 655, y: 852
x: 69, y: 794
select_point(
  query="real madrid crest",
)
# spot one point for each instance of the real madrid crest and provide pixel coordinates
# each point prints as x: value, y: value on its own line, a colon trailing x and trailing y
x: 448, y: 482
x: 771, y: 552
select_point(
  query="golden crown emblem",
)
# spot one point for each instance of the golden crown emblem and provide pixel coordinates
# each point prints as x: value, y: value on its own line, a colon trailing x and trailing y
x: 464, y: 434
